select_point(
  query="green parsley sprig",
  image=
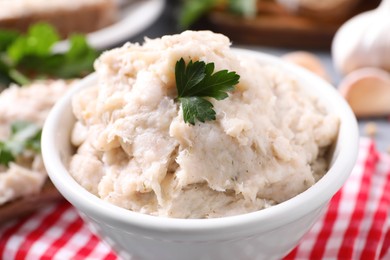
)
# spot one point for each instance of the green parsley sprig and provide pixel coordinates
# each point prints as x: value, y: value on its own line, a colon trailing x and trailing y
x: 24, y: 136
x: 28, y: 56
x: 194, y: 82
x: 192, y: 10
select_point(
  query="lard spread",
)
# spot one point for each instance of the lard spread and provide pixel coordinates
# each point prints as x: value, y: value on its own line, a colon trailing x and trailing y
x: 268, y: 142
x: 26, y: 175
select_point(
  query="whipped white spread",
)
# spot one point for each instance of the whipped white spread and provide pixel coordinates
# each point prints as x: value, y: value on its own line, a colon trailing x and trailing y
x: 267, y: 144
x: 31, y: 103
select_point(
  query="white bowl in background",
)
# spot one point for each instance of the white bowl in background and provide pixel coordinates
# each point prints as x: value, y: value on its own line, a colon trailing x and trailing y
x: 265, y: 234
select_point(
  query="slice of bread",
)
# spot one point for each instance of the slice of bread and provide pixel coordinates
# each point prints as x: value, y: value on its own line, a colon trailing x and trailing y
x: 82, y: 16
x: 24, y: 206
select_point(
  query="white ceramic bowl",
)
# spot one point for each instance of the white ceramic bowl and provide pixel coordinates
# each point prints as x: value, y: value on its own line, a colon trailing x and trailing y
x: 265, y: 234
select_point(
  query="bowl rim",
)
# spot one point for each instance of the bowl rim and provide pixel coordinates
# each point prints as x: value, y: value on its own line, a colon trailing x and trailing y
x: 307, y: 201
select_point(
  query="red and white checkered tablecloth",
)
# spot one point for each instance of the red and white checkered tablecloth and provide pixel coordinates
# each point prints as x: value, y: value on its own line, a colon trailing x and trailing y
x: 355, y: 225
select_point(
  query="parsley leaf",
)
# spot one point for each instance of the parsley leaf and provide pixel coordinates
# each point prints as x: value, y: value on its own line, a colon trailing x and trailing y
x: 6, y: 38
x: 78, y: 60
x: 197, y: 108
x: 5, y: 155
x: 192, y: 10
x: 24, y: 136
x: 245, y: 8
x: 5, y: 77
x: 37, y: 42
x: 31, y: 56
x: 196, y: 81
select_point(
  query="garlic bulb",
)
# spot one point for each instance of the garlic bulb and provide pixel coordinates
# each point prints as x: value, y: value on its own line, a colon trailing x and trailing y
x: 364, y: 41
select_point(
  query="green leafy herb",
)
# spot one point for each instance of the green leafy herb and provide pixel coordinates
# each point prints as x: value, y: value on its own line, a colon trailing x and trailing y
x: 246, y: 8
x: 196, y: 81
x: 37, y: 42
x: 6, y: 38
x: 79, y: 58
x: 29, y: 56
x: 193, y: 10
x: 24, y: 136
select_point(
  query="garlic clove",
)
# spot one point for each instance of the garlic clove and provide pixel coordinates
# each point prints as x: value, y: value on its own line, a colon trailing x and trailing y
x: 363, y: 41
x: 308, y: 61
x: 367, y: 91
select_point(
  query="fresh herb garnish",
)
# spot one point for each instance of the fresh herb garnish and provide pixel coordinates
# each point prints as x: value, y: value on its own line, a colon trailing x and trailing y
x: 196, y: 81
x: 29, y: 56
x: 24, y: 136
x: 193, y: 10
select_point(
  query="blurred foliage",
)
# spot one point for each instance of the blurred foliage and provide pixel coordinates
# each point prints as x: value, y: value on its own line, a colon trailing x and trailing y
x: 28, y: 56
x: 193, y: 10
